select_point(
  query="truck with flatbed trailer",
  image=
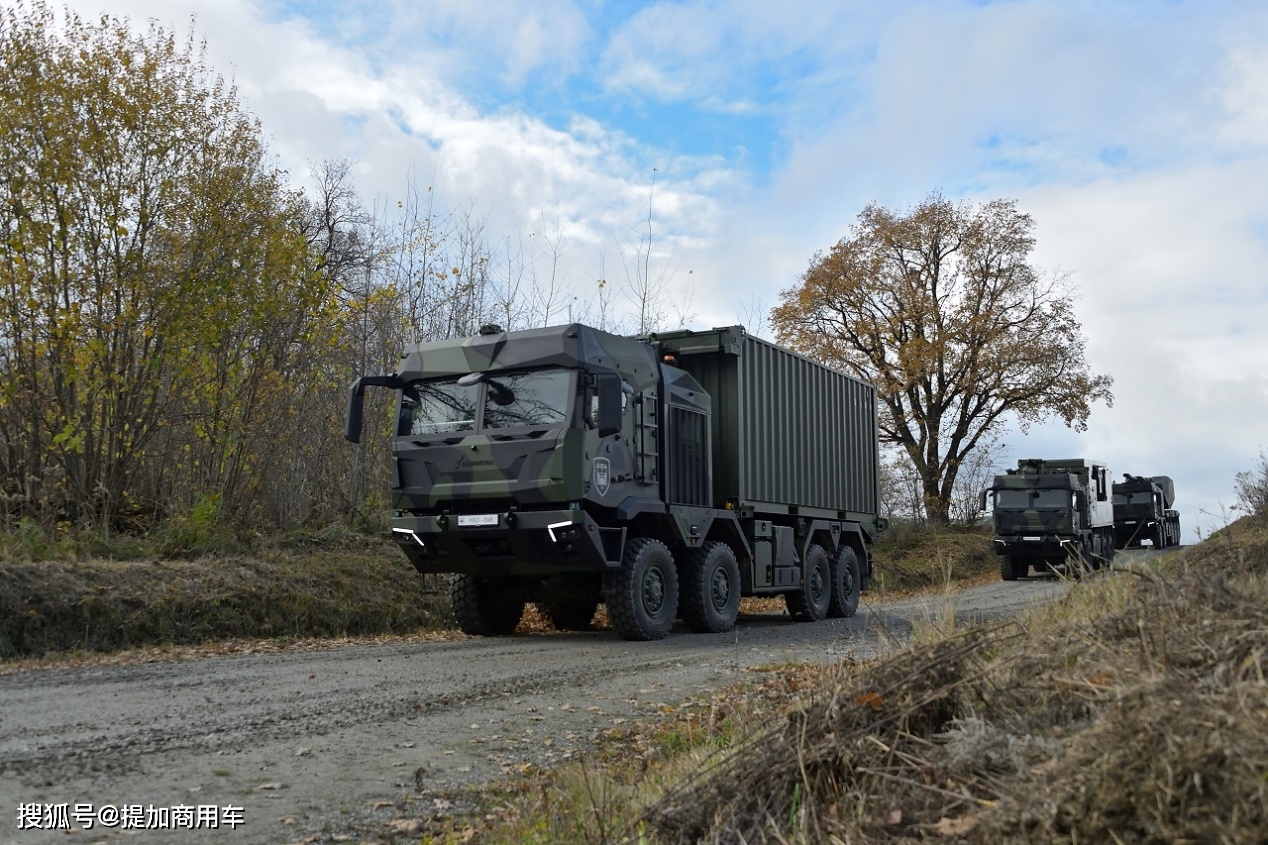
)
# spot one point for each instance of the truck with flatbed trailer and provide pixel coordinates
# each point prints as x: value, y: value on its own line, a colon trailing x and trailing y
x: 665, y: 476
x: 1143, y: 511
x: 1052, y: 513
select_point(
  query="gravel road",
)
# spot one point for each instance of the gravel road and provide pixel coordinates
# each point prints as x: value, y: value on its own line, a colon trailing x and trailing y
x: 305, y: 742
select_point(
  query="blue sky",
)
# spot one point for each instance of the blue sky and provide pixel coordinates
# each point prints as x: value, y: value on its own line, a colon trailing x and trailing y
x: 1135, y: 133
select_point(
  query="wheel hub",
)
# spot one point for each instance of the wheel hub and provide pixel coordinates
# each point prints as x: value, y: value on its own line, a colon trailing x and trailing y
x: 720, y: 589
x: 653, y: 590
x: 816, y: 583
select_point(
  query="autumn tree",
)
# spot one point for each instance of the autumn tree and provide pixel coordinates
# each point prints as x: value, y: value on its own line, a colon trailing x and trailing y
x: 942, y: 308
x: 156, y: 289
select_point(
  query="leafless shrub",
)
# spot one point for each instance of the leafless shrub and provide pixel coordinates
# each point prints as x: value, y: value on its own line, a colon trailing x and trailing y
x: 1252, y: 488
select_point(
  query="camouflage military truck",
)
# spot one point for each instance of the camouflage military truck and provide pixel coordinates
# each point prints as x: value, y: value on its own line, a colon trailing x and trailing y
x: 1051, y: 513
x: 1142, y: 511
x: 665, y: 477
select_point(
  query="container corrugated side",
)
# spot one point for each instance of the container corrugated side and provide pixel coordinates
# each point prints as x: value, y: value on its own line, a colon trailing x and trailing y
x: 787, y: 431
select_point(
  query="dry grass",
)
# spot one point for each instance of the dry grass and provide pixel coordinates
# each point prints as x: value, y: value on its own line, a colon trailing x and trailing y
x: 913, y: 558
x: 332, y: 589
x: 1136, y: 711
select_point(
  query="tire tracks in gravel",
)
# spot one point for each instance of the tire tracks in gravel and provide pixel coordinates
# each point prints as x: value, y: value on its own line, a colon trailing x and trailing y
x: 302, y: 740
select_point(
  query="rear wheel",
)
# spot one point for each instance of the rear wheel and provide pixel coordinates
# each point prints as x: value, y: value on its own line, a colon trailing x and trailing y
x: 484, y: 607
x: 569, y: 614
x: 645, y: 602
x: 810, y: 603
x: 1080, y: 559
x: 709, y: 578
x: 847, y: 582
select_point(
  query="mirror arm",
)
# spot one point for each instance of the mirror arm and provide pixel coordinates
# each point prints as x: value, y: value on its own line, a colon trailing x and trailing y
x: 356, y: 401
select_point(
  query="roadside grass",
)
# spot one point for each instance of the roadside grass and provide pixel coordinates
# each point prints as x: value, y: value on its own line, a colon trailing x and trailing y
x: 325, y: 584
x: 1133, y: 709
x: 913, y: 556
x: 69, y: 592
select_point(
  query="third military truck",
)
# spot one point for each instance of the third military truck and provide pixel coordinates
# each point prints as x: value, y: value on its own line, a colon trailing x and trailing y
x: 1142, y: 511
x: 1052, y: 513
x: 663, y: 476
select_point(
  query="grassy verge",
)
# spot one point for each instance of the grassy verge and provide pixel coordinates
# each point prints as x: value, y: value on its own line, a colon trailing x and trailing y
x: 321, y: 586
x: 911, y: 557
x: 1133, y: 710
x: 189, y: 585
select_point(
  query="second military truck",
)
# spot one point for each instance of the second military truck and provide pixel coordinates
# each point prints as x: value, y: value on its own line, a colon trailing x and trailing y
x: 1142, y: 511
x: 664, y: 476
x: 1052, y: 513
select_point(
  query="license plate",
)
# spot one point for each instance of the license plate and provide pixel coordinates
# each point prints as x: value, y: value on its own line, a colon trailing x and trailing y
x: 1033, y: 539
x: 469, y: 520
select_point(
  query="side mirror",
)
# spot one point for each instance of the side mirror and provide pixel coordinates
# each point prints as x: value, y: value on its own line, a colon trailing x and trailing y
x: 981, y: 501
x: 356, y: 402
x: 607, y: 387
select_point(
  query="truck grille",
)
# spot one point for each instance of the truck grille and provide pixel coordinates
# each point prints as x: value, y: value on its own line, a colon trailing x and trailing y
x: 688, y: 454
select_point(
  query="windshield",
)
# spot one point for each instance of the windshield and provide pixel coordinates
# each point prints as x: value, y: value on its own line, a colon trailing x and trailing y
x: 1025, y: 499
x: 511, y: 400
x: 536, y: 397
x: 435, y: 407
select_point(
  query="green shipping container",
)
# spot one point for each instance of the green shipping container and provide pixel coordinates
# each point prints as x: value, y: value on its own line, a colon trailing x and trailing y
x: 789, y: 435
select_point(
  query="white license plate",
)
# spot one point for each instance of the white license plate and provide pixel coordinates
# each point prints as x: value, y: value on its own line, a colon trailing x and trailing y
x: 467, y: 520
x: 1032, y: 539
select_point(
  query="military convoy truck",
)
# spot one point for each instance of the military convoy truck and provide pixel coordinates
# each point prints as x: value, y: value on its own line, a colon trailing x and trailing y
x: 1142, y: 511
x: 1051, y: 513
x: 664, y: 476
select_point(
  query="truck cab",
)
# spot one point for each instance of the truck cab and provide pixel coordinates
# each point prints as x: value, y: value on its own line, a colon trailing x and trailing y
x: 1142, y: 511
x: 1051, y: 513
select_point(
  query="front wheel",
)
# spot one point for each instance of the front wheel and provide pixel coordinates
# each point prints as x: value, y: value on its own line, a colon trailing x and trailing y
x: 645, y: 602
x: 847, y: 582
x: 484, y: 607
x: 1011, y: 570
x: 710, y: 580
x: 810, y: 603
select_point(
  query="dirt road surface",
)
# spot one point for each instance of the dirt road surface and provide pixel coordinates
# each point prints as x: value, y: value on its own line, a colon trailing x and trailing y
x: 293, y: 746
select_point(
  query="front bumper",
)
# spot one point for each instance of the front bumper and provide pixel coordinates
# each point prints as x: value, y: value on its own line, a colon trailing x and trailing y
x: 1035, y: 547
x: 509, y: 543
x: 1133, y: 531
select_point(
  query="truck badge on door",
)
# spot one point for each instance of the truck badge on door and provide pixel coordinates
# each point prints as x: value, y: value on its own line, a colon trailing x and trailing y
x: 602, y: 475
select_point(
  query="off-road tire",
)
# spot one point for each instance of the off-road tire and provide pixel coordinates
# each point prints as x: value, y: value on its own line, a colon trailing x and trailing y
x: 645, y: 602
x: 1082, y: 562
x: 1010, y: 570
x: 484, y: 607
x: 1160, y: 538
x: 847, y: 583
x: 709, y: 585
x: 810, y: 602
x: 570, y: 614
x: 1107, y: 549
